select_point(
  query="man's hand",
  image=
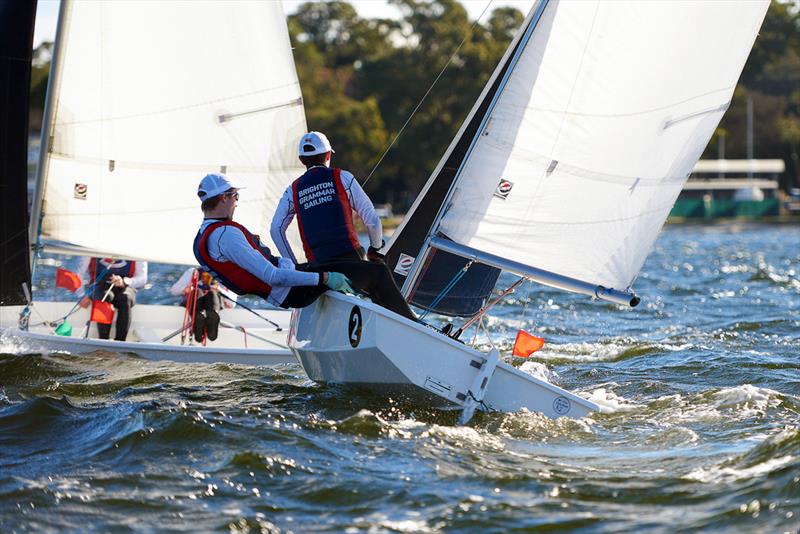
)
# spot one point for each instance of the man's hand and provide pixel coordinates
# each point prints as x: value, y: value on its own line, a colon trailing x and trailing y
x: 117, y: 281
x: 338, y: 282
x: 374, y: 255
x: 85, y: 301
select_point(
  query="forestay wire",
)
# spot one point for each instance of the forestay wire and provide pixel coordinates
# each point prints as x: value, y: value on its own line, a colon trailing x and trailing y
x: 422, y: 100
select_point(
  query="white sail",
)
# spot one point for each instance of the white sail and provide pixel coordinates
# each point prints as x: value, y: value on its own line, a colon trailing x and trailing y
x: 601, y: 121
x: 152, y: 96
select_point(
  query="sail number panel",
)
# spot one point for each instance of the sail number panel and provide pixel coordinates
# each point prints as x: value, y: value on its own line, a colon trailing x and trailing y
x: 354, y: 327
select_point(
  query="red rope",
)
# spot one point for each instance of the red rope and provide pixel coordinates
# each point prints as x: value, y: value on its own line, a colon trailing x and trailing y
x: 191, y: 306
x: 486, y: 308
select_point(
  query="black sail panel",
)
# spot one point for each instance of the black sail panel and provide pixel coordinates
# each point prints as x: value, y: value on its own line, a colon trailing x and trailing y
x: 466, y: 296
x: 16, y: 44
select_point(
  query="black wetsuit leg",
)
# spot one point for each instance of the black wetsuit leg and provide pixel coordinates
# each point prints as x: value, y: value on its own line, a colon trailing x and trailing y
x: 302, y: 296
x: 374, y: 279
x: 124, y: 300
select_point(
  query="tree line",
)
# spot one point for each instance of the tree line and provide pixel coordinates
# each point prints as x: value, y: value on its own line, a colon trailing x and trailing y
x: 363, y: 78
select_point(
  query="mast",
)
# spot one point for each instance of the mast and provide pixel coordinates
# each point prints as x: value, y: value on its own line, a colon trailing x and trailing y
x: 53, y: 84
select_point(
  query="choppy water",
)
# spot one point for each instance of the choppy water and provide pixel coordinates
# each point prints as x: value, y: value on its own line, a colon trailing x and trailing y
x: 700, y: 430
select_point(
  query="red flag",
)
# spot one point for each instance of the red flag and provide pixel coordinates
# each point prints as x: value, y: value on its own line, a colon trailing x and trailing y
x: 526, y: 344
x: 102, y: 312
x: 68, y: 280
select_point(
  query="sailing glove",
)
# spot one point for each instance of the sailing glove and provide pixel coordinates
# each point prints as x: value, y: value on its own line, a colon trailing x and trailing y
x: 339, y: 282
x: 373, y: 254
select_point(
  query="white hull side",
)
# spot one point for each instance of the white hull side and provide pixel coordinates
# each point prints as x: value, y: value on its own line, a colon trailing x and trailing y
x: 149, y: 324
x: 395, y: 355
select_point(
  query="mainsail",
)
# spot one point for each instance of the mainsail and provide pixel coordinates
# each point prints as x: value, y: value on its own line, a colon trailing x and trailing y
x: 147, y: 98
x: 603, y: 111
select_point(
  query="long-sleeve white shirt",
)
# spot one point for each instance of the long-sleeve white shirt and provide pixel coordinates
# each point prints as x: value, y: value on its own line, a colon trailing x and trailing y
x: 137, y: 281
x: 228, y: 243
x: 185, y: 281
x: 359, y: 201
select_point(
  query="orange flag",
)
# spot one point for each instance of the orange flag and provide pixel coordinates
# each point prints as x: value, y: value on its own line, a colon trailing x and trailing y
x: 526, y: 344
x: 68, y: 280
x: 102, y: 312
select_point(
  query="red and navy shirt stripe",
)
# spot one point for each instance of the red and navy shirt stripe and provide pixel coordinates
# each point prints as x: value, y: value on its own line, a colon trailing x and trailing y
x: 236, y: 278
x: 105, y: 267
x: 324, y: 215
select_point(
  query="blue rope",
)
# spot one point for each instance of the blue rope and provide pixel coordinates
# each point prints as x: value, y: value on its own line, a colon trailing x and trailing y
x: 86, y: 293
x: 450, y: 285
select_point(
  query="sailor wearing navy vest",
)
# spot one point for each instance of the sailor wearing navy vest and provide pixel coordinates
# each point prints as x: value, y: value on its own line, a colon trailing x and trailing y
x: 324, y: 199
x: 124, y: 277
x: 238, y: 259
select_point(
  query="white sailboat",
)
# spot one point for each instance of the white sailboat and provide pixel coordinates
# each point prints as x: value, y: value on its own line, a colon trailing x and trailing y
x: 563, y: 173
x: 144, y: 99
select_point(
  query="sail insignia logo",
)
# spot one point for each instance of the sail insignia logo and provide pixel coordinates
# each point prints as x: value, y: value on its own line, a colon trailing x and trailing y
x: 503, y: 189
x: 80, y: 190
x: 404, y: 264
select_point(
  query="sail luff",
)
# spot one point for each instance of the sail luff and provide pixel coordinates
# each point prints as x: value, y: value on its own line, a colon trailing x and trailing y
x: 48, y: 118
x: 408, y: 241
x: 517, y: 48
x: 489, y: 87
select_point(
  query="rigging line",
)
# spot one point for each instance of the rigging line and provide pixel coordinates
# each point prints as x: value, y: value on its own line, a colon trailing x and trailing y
x: 488, y: 306
x: 452, y: 56
x: 447, y: 289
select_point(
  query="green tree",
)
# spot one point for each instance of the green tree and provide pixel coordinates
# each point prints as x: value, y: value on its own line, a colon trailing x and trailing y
x: 770, y: 79
x: 430, y: 36
x: 325, y: 55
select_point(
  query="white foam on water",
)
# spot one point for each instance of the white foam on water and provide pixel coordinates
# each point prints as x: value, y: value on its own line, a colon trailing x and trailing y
x: 407, y: 525
x: 465, y: 435
x: 13, y: 344
x: 610, y: 402
x: 740, y: 268
x: 719, y: 474
x: 750, y: 400
x: 539, y: 370
x: 731, y: 404
x: 602, y: 352
x: 583, y: 352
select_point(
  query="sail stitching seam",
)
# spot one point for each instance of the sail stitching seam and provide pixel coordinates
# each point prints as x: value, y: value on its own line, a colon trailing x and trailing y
x: 182, y: 108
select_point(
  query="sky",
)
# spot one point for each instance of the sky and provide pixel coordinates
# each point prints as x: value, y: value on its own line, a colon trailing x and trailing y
x: 47, y: 12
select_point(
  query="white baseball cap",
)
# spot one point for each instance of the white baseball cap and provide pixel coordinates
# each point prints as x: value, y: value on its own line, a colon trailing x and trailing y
x: 314, y: 143
x: 215, y: 184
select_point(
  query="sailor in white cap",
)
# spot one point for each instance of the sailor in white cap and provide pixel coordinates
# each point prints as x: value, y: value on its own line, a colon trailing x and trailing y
x: 323, y: 199
x: 238, y: 259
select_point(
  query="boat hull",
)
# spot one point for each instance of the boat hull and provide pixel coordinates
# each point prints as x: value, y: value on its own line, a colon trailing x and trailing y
x: 149, y: 325
x: 345, y: 340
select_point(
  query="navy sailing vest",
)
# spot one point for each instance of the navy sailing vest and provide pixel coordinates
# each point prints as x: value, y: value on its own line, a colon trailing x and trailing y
x: 237, y: 279
x: 105, y: 267
x: 324, y: 215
